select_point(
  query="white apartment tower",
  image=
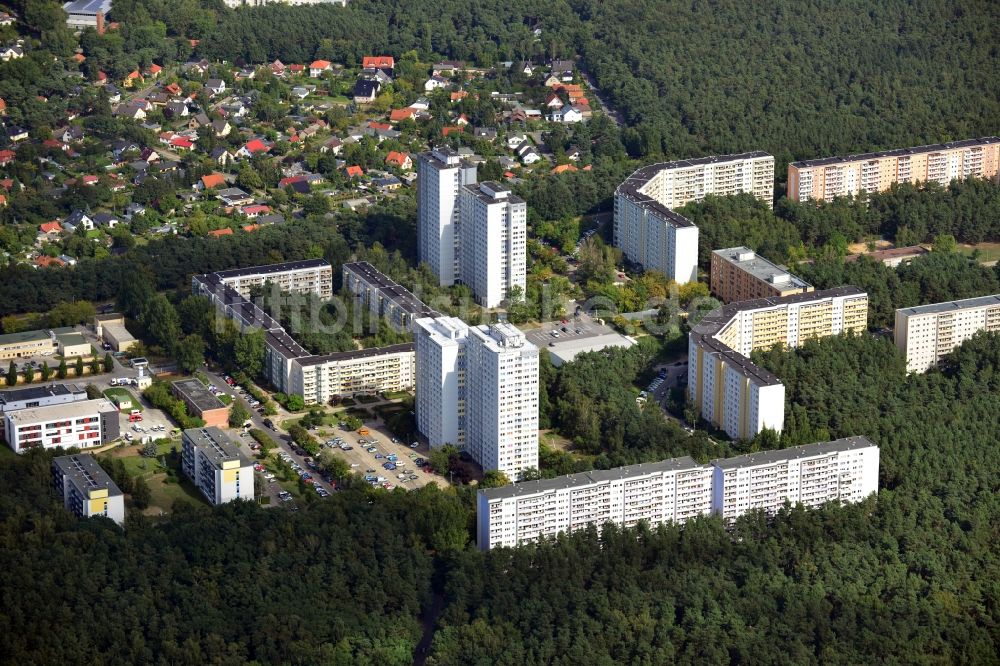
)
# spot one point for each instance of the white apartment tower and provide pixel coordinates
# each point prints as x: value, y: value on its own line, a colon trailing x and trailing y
x: 477, y: 388
x: 493, y: 256
x: 441, y: 173
x: 213, y: 462
x: 926, y: 333
x: 502, y: 399
x: 440, y: 404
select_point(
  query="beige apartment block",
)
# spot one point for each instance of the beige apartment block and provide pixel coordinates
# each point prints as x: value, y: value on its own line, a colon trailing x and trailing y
x: 927, y: 333
x: 739, y: 274
x: 850, y: 175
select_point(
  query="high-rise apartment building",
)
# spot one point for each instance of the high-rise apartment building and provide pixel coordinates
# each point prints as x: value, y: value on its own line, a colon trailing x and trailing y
x: 86, y: 489
x: 677, y: 490
x: 501, y: 402
x: 651, y: 234
x: 82, y: 423
x: 214, y: 464
x: 740, y: 274
x: 441, y: 174
x: 926, y: 333
x: 441, y: 376
x: 494, y: 242
x: 477, y: 388
x: 844, y: 470
x: 383, y: 296
x: 850, y: 175
x: 728, y: 389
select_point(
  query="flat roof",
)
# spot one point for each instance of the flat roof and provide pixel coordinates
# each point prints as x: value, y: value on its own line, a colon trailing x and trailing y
x: 736, y: 360
x: 569, y: 481
x: 71, y: 339
x: 198, y: 394
x: 24, y: 336
x: 38, y: 392
x: 952, y: 306
x: 759, y: 267
x: 271, y: 269
x: 68, y: 410
x: 87, y: 6
x: 484, y: 195
x: 215, y: 445
x: 794, y: 452
x: 566, y: 349
x: 370, y: 352
x: 444, y: 330
x: 717, y: 319
x: 281, y: 343
x: 399, y: 295
x: 84, y: 472
x: 898, y: 152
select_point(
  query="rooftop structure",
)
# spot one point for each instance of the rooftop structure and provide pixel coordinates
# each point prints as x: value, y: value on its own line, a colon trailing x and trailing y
x: 86, y: 489
x: 740, y: 274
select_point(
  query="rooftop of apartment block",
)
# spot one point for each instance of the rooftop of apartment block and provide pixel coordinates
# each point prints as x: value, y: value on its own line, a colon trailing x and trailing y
x: 402, y: 297
x: 38, y: 392
x: 85, y: 473
x: 271, y: 269
x: 952, y: 306
x: 215, y: 445
x: 749, y: 261
x: 197, y: 394
x: 899, y: 152
x: 370, y: 352
x: 736, y: 361
x: 716, y: 320
x: 528, y: 488
x: 490, y: 192
x: 794, y: 453
x: 444, y: 330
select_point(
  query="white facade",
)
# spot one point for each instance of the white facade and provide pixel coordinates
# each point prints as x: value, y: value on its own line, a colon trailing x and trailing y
x: 502, y: 399
x: 678, y: 490
x: 215, y: 465
x: 367, y: 371
x: 86, y: 489
x: 441, y: 173
x: 845, y: 470
x: 477, y: 388
x: 441, y: 374
x: 493, y: 242
x: 657, y: 238
x: 83, y: 424
x: 926, y: 333
x: 300, y: 277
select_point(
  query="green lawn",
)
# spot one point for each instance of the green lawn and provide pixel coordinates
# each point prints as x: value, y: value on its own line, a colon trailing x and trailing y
x: 163, y: 474
x: 987, y: 251
x: 397, y: 395
x: 124, y: 393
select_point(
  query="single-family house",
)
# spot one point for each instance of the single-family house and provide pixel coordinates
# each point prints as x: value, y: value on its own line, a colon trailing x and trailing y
x: 234, y: 196
x: 16, y: 133
x: 78, y: 219
x: 176, y: 110
x: 528, y: 154
x: 6, y: 157
x: 354, y: 171
x: 399, y: 115
x: 219, y: 233
x: 458, y: 95
x: 332, y: 145
x: 317, y: 68
x: 485, y: 133
x: 553, y: 101
x: 211, y: 180
x: 378, y: 62
x: 399, y: 160
x: 215, y: 86
x: 221, y: 156
x: 252, y: 147
x: 221, y: 127
x: 132, y: 79
x: 106, y: 220
x: 387, y: 184
x: 255, y: 210
x: 566, y: 114
x: 436, y: 83
x: 514, y: 141
x: 365, y: 91
x: 8, y: 53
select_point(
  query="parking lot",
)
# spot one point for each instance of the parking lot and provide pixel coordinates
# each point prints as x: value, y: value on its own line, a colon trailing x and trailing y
x: 576, y: 327
x: 365, y: 463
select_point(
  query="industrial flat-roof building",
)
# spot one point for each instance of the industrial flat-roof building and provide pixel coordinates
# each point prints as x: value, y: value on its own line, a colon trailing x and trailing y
x: 82, y: 14
x: 726, y: 387
x: 927, y: 333
x: 215, y: 465
x: 740, y: 274
x: 677, y: 490
x: 26, y: 344
x: 111, y: 329
x: 201, y: 402
x: 86, y: 489
x: 83, y: 424
x: 12, y: 400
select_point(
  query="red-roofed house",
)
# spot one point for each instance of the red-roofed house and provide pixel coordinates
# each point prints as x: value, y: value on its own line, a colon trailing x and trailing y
x: 132, y: 78
x: 563, y: 168
x: 89, y: 181
x: 6, y: 157
x: 290, y: 179
x: 459, y: 95
x: 3, y: 201
x: 318, y: 67
x: 463, y: 120
x: 252, y: 147
x: 296, y: 69
x: 181, y: 143
x: 51, y: 228
x: 396, y: 115
x: 250, y: 227
x: 255, y: 210
x: 3, y: 107
x: 78, y: 57
x: 45, y: 261
x: 154, y: 69
x: 451, y: 129
x: 214, y: 179
x: 102, y: 78
x: 354, y: 171
x: 378, y: 62
x: 379, y: 126
x: 219, y: 233
x: 401, y: 160
x: 173, y: 89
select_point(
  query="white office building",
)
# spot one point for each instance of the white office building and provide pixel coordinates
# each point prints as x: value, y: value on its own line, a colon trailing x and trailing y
x: 501, y: 402
x: 844, y: 470
x: 677, y: 490
x: 82, y: 423
x: 441, y: 371
x: 40, y: 396
x: 926, y: 333
x: 215, y: 465
x: 477, y: 388
x: 86, y: 489
x: 493, y: 242
x: 441, y: 174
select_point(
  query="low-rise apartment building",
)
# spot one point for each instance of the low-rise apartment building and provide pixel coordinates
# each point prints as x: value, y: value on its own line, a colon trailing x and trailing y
x: 12, y: 400
x: 86, y: 489
x: 677, y: 490
x: 740, y: 274
x: 83, y: 424
x: 732, y: 392
x: 383, y: 297
x: 829, y: 177
x: 201, y: 402
x: 215, y: 465
x: 927, y: 333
